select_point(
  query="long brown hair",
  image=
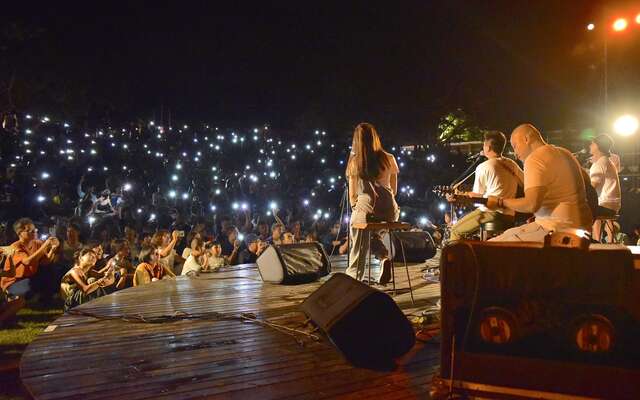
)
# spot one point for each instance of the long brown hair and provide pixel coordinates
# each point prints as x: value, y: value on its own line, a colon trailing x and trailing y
x: 368, y: 159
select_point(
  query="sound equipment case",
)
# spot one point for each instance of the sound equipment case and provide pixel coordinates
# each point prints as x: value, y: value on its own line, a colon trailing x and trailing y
x: 565, y: 281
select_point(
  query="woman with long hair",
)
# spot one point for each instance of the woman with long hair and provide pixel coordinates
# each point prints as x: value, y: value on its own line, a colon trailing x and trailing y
x: 76, y: 287
x: 372, y: 174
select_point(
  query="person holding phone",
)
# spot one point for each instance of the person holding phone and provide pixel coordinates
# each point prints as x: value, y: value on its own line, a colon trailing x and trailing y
x: 77, y: 287
x: 29, y: 254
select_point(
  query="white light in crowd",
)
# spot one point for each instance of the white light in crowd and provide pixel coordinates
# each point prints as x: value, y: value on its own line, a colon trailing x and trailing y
x: 322, y: 160
x: 152, y: 123
x: 49, y: 139
x: 172, y: 194
x: 93, y: 151
x: 124, y: 167
x: 184, y: 154
x: 626, y: 125
x: 215, y: 177
x: 178, y: 166
x: 316, y: 216
x: 346, y: 219
x: 66, y: 125
x: 41, y: 198
x: 45, y: 175
x: 27, y: 131
x: 127, y: 187
x: 317, y: 132
x: 235, y: 206
x: 319, y: 182
x: 268, y: 213
x: 28, y: 116
x: 139, y: 210
x: 241, y: 237
x: 423, y: 220
x: 272, y: 174
x: 273, y: 205
x: 91, y: 220
x: 403, y: 214
x: 213, y: 208
x: 42, y: 152
x: 313, y: 194
x: 195, y: 140
x: 113, y: 144
x: 217, y: 191
x: 125, y: 146
x: 196, y: 159
x: 244, y: 206
x: 326, y: 215
x: 174, y: 177
x: 255, y: 130
x: 293, y: 156
x: 308, y: 147
x: 45, y: 119
x: 305, y: 202
x: 247, y: 167
x: 100, y: 133
x: 152, y: 217
x: 401, y: 164
x: 332, y: 180
x: 185, y: 196
x: 234, y: 140
x: 159, y: 136
x: 185, y: 127
x: 90, y: 169
x: 26, y: 143
x: 217, y: 147
x: 319, y: 143
x: 70, y: 158
x: 442, y: 206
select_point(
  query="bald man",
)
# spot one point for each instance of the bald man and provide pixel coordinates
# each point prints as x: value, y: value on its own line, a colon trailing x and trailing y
x: 554, y: 189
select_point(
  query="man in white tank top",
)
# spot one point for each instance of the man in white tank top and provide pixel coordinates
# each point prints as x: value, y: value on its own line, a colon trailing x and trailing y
x: 553, y: 187
x: 497, y: 176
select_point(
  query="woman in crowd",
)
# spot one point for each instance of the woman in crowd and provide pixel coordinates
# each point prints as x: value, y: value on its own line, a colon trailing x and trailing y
x: 151, y: 269
x: 372, y: 174
x: 77, y: 287
x: 71, y: 244
x: 215, y: 258
x: 167, y: 243
x: 196, y: 257
x: 120, y: 263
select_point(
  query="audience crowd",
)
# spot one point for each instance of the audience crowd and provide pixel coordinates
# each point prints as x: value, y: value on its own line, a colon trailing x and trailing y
x: 91, y: 211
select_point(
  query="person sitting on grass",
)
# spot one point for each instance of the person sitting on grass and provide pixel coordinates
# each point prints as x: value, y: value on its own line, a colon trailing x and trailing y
x: 76, y: 287
x: 29, y: 254
x: 120, y: 263
x: 151, y: 269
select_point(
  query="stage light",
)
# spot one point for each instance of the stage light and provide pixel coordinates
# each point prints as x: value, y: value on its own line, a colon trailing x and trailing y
x: 620, y: 24
x: 591, y: 27
x: 626, y: 125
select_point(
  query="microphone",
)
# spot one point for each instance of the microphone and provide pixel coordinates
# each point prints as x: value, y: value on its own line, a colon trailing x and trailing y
x: 476, y: 156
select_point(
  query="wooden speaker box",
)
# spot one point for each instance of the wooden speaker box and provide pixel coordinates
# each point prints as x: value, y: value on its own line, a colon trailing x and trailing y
x: 554, y: 320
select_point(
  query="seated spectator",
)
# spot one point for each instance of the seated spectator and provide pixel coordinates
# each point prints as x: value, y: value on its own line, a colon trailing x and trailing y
x: 230, y: 244
x: 255, y: 247
x: 98, y: 250
x: 167, y: 243
x: 151, y: 269
x: 71, y: 244
x: 276, y: 233
x: 263, y: 231
x: 296, y: 229
x: 131, y: 236
x: 195, y: 263
x: 215, y: 258
x: 334, y: 244
x: 311, y: 237
x: 29, y: 254
x: 196, y: 248
x: 120, y: 264
x: 77, y: 287
x: 288, y: 238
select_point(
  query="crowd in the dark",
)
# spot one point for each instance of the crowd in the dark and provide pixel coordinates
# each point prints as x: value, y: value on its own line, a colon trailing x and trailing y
x: 149, y: 201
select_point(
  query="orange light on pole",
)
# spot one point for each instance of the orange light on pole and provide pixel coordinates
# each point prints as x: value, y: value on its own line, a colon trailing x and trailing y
x: 620, y: 24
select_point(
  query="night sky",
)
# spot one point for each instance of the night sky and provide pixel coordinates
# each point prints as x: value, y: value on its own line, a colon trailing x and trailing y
x: 400, y: 64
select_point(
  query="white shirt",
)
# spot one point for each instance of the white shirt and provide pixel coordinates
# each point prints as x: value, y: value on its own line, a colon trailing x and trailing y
x: 498, y: 177
x: 564, y: 204
x: 604, y: 178
x: 191, y: 265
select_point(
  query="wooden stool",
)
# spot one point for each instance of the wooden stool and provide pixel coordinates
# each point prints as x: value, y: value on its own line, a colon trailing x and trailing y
x: 604, y: 221
x: 391, y: 227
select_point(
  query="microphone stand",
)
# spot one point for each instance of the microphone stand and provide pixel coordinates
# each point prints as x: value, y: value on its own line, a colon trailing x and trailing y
x: 468, y: 173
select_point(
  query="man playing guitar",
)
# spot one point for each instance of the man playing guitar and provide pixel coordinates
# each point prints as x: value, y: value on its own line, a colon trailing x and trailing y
x: 497, y: 176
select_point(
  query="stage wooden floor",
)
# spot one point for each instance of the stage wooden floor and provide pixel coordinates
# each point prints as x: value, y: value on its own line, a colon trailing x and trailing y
x: 81, y: 357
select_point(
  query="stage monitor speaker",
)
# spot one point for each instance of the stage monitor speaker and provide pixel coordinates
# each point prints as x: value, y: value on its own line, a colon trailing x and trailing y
x: 365, y: 324
x: 418, y: 246
x: 292, y: 264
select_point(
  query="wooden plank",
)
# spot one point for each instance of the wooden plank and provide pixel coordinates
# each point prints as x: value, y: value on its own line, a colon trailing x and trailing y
x: 194, y: 358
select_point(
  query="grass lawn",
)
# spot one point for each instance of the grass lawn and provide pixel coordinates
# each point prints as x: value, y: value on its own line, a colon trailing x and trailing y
x: 15, y: 335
